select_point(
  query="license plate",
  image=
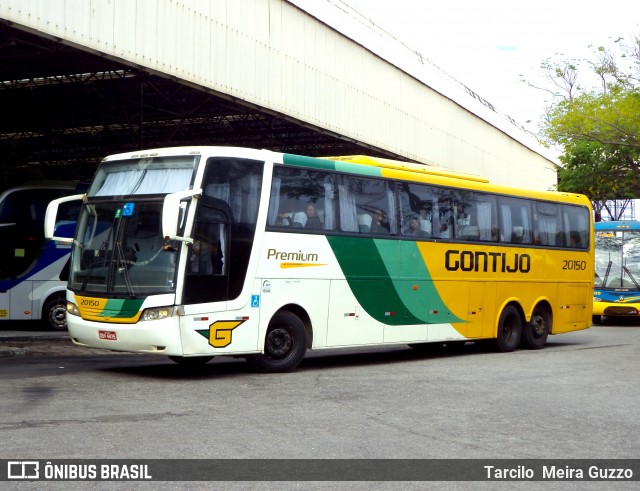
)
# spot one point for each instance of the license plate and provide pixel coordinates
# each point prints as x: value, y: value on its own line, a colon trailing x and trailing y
x: 108, y: 335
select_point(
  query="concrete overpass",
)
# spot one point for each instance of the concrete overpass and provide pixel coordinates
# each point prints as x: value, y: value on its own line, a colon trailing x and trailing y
x: 81, y: 79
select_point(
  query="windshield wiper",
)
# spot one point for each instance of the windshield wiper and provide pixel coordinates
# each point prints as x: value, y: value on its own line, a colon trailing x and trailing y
x: 606, y: 275
x: 624, y: 268
x: 122, y: 266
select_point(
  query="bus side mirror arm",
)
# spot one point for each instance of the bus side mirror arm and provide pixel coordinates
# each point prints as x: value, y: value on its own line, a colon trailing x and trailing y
x: 171, y: 214
x: 51, y: 215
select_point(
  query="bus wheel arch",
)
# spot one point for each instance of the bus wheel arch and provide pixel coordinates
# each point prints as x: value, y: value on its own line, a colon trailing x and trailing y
x: 54, y: 311
x: 509, y: 328
x: 285, y: 343
x: 537, y: 330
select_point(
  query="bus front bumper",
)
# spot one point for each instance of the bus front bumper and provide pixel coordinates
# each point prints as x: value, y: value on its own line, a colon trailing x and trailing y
x: 614, y: 309
x: 160, y: 337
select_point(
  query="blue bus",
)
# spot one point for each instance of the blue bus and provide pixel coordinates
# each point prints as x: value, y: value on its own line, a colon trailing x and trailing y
x: 33, y: 271
x: 617, y: 270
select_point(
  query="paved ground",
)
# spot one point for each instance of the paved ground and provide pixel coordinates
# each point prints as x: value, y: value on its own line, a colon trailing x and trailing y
x: 27, y: 339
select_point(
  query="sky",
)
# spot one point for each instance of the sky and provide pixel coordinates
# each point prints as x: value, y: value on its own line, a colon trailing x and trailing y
x: 491, y: 45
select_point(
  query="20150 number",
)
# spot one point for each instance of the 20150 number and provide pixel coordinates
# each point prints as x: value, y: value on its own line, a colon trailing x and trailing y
x: 574, y: 265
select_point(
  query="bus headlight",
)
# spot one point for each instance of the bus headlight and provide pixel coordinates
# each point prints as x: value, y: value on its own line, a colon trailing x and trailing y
x: 72, y: 309
x: 157, y: 313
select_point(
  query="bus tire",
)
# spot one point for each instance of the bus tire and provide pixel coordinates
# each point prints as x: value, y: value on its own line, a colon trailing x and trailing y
x: 536, y: 332
x: 596, y: 320
x: 54, y: 313
x: 285, y: 345
x: 190, y: 361
x: 509, y: 330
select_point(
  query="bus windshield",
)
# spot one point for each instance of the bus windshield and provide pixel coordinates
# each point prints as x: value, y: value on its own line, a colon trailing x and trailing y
x: 617, y: 259
x: 120, y: 250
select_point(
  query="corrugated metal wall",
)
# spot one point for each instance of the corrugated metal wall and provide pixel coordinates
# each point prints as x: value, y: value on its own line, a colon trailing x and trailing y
x: 275, y: 55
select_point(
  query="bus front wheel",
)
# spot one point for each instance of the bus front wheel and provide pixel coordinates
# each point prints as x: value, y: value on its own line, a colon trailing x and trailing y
x: 509, y: 330
x: 284, y: 345
x: 54, y: 313
x: 535, y: 334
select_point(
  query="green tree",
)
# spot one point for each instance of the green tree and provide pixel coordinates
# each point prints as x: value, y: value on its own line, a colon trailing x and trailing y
x: 597, y: 126
x: 600, y: 171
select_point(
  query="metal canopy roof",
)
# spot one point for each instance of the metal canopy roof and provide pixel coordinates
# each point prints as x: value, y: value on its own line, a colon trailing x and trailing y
x: 64, y: 109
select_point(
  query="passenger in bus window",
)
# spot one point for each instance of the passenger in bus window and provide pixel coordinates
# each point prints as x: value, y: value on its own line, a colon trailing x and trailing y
x: 379, y: 224
x: 425, y: 222
x: 414, y: 230
x: 283, y: 220
x: 312, y: 217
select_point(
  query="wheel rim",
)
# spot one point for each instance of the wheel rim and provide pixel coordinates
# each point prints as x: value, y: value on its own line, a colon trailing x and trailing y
x: 278, y: 343
x: 538, y: 325
x: 58, y: 316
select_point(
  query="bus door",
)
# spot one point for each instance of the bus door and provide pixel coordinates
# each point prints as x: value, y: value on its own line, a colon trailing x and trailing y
x: 207, y: 271
x: 206, y: 278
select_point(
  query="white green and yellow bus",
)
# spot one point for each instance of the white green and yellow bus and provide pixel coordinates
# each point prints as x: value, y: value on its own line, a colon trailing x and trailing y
x: 198, y: 252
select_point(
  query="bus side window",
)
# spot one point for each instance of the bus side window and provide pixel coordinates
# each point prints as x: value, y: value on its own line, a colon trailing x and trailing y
x: 576, y: 226
x: 546, y: 224
x: 515, y: 221
x: 301, y: 199
x: 421, y: 202
x: 366, y: 206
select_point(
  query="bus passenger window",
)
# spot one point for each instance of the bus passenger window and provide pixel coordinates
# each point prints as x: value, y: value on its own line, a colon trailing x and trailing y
x: 576, y: 226
x: 516, y: 222
x: 301, y: 199
x: 547, y: 224
x: 365, y: 204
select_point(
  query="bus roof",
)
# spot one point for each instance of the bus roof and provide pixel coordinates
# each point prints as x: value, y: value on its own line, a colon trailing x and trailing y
x: 367, y: 166
x: 408, y: 166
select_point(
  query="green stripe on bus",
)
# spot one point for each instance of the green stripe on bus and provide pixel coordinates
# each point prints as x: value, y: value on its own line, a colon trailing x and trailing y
x: 413, y: 282
x: 333, y: 165
x: 121, y: 308
x: 301, y: 161
x: 363, y: 170
x: 371, y: 267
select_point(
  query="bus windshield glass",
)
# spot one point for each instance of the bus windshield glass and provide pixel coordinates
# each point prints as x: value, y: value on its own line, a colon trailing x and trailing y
x: 617, y: 259
x: 120, y: 250
x: 149, y: 175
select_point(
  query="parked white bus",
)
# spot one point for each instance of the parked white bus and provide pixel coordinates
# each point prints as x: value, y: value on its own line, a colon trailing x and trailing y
x: 206, y: 251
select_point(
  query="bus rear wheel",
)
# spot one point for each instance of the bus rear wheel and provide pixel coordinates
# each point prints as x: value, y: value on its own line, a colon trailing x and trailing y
x: 285, y: 345
x: 509, y: 330
x: 535, y: 334
x: 54, y: 313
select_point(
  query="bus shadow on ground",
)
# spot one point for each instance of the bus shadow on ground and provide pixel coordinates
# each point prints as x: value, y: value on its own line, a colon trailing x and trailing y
x: 224, y: 367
